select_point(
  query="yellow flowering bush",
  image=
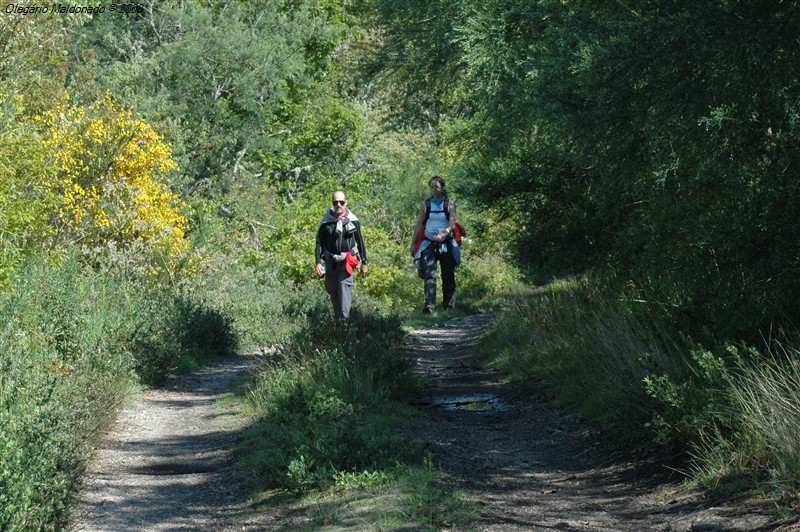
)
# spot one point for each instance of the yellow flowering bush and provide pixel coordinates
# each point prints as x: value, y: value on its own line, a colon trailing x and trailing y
x: 108, y: 184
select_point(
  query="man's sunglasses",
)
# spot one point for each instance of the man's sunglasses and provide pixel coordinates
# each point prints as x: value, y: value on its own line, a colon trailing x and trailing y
x: 339, y: 202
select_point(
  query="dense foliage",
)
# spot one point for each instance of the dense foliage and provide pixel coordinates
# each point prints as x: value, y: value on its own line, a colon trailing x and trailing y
x: 75, y: 343
x: 652, y: 146
x: 176, y: 160
x: 658, y: 139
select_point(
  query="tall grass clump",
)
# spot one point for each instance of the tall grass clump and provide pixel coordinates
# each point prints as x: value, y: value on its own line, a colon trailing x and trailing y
x: 769, y: 398
x: 765, y: 414
x: 324, y: 403
x: 583, y: 349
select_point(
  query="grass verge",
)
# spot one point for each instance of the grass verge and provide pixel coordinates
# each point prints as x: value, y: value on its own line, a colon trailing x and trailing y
x: 75, y: 342
x: 587, y: 354
x: 330, y: 426
x: 730, y: 412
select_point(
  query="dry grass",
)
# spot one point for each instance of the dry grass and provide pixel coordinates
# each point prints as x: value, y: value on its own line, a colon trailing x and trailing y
x: 768, y: 396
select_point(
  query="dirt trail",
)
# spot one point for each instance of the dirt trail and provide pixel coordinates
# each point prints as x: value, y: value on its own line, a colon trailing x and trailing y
x: 168, y: 465
x: 531, y: 468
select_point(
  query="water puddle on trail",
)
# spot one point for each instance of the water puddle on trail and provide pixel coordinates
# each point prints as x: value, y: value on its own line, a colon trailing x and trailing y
x: 480, y: 403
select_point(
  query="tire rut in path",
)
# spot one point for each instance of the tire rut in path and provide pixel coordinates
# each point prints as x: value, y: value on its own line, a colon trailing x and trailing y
x: 529, y: 467
x: 168, y: 464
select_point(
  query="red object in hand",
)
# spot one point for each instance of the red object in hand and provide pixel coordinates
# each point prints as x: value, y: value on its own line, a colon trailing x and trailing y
x: 350, y: 263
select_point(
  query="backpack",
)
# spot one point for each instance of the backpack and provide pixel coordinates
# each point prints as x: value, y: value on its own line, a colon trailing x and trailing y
x: 458, y: 231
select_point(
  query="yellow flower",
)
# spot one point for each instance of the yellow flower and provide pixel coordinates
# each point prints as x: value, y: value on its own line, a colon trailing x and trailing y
x: 110, y: 181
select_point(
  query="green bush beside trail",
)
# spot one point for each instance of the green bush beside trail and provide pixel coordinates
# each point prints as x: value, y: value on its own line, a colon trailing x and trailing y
x: 325, y: 403
x: 74, y: 343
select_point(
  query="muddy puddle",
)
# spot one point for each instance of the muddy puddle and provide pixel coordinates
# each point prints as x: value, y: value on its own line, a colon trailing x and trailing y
x: 478, y: 403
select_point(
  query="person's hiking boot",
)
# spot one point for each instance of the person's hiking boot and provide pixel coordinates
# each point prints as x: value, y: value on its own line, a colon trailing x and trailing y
x: 427, y: 309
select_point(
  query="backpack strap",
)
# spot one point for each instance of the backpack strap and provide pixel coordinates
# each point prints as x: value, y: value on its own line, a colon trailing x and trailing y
x: 421, y: 236
x: 445, y: 206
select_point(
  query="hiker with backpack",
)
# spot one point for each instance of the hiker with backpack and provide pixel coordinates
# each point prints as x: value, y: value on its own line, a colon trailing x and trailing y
x: 338, y: 252
x: 434, y: 241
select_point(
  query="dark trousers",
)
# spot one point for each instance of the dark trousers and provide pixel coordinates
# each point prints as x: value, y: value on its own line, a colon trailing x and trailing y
x: 339, y: 285
x: 429, y: 258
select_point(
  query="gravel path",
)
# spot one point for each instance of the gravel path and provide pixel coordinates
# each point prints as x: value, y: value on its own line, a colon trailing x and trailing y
x: 168, y: 464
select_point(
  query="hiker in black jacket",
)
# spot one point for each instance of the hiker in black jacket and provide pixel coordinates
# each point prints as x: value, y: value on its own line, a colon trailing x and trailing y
x: 339, y: 251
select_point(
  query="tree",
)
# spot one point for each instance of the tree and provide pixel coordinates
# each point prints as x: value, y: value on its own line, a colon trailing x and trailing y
x: 658, y: 140
x: 212, y: 78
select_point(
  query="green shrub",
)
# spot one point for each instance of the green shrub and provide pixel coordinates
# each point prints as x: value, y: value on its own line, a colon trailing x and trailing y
x: 323, y: 405
x: 165, y: 332
x: 696, y: 402
x: 204, y: 330
x: 64, y: 371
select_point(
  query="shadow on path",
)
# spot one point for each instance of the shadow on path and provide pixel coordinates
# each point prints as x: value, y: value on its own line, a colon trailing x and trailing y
x: 530, y: 466
x: 168, y: 463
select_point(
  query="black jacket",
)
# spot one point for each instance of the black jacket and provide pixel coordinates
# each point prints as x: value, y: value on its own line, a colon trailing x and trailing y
x: 330, y: 242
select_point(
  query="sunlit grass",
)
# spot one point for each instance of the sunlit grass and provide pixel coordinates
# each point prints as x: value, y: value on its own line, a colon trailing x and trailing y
x: 766, y: 446
x: 402, y: 497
